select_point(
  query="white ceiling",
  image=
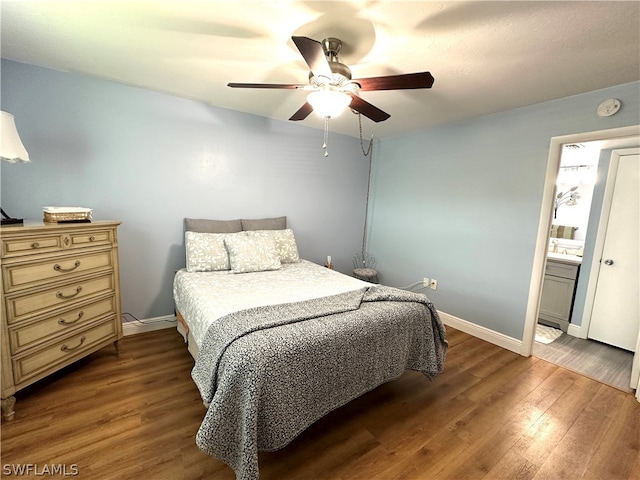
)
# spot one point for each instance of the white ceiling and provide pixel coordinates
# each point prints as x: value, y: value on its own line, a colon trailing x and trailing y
x: 486, y: 57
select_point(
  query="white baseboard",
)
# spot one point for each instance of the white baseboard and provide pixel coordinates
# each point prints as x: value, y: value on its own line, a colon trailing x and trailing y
x: 577, y: 331
x: 148, y: 325
x: 504, y: 341
x: 483, y: 333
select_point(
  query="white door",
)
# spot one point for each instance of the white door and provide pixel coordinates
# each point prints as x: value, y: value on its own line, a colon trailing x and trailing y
x: 615, y: 317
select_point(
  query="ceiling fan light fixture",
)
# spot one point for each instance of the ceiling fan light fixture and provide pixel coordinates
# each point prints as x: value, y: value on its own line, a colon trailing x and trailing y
x: 329, y: 103
x: 333, y: 86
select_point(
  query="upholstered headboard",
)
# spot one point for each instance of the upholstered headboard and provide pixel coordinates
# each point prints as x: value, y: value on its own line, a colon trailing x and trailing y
x: 243, y: 245
x: 202, y: 225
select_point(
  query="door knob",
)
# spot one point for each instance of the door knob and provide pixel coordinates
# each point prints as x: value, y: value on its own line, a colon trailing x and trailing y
x: 608, y: 261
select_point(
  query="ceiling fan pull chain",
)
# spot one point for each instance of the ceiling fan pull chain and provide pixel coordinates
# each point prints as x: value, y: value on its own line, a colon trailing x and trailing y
x: 326, y: 136
x: 368, y: 151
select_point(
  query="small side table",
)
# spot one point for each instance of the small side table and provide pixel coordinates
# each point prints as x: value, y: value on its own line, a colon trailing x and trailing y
x: 367, y: 274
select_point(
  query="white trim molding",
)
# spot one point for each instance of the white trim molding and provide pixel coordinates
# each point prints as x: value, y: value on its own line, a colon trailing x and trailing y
x: 577, y: 331
x: 482, y: 333
x: 148, y: 325
x: 491, y: 336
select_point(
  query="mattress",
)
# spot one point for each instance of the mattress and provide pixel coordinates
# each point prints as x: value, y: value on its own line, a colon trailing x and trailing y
x: 205, y: 297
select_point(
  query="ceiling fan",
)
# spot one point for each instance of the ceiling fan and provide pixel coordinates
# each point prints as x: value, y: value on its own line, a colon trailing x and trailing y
x: 330, y: 84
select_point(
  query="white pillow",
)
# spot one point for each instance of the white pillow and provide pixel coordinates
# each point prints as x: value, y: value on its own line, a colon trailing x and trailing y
x: 285, y: 243
x: 251, y: 254
x: 206, y: 252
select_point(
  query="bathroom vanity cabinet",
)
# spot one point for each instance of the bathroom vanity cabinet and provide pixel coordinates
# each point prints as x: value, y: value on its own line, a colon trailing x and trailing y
x: 558, y: 290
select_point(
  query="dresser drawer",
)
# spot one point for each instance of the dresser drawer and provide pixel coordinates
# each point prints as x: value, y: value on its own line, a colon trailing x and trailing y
x: 37, y: 273
x: 63, y: 352
x: 12, y: 247
x: 21, y: 307
x: 53, y: 242
x: 29, y: 334
x: 98, y: 237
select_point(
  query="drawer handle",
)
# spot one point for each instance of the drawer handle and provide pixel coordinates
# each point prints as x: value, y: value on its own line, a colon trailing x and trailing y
x: 58, y: 268
x: 66, y: 297
x: 64, y: 348
x: 35, y: 245
x: 92, y: 238
x: 62, y: 321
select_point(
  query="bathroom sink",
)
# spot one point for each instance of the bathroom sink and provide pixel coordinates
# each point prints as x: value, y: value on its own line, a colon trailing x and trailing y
x: 565, y: 258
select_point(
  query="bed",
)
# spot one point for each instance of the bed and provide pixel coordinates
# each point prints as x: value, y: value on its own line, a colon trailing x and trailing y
x: 280, y: 341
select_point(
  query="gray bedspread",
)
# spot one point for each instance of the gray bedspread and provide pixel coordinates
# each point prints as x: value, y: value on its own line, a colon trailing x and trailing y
x: 268, y: 373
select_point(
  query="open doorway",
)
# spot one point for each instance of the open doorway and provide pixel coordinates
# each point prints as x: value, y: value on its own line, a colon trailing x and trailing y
x: 608, y: 139
x: 559, y: 338
x: 572, y: 201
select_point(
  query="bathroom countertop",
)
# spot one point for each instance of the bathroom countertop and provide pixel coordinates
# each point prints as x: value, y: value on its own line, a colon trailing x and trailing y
x: 564, y: 258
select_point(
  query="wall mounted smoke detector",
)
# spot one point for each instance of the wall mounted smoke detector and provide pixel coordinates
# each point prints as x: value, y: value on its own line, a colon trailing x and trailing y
x: 608, y: 107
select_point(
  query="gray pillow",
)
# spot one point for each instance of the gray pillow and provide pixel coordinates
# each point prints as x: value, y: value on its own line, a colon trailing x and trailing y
x: 202, y: 225
x: 276, y: 223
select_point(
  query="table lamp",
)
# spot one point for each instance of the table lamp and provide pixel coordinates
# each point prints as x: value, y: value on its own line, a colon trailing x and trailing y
x: 11, y: 150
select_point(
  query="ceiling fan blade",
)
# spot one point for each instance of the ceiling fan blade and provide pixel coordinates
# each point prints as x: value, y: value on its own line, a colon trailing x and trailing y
x: 265, y: 85
x: 313, y: 53
x: 397, y: 82
x: 368, y: 110
x: 303, y: 112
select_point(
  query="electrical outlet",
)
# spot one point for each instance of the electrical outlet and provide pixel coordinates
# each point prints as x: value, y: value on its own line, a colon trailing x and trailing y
x: 425, y: 282
x: 433, y: 285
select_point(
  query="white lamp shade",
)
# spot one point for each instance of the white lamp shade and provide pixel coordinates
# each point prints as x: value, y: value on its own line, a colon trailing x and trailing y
x: 328, y: 103
x: 11, y: 148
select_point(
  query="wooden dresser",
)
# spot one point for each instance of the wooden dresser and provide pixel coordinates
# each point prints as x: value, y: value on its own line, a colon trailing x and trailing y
x: 60, y: 298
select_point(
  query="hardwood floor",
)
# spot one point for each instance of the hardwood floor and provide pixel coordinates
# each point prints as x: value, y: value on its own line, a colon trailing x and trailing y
x: 491, y: 415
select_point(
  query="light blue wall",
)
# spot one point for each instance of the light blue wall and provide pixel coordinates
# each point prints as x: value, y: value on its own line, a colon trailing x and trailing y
x: 461, y: 203
x: 150, y: 159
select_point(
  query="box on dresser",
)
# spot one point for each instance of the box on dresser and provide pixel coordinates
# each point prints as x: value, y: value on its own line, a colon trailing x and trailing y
x: 60, y: 298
